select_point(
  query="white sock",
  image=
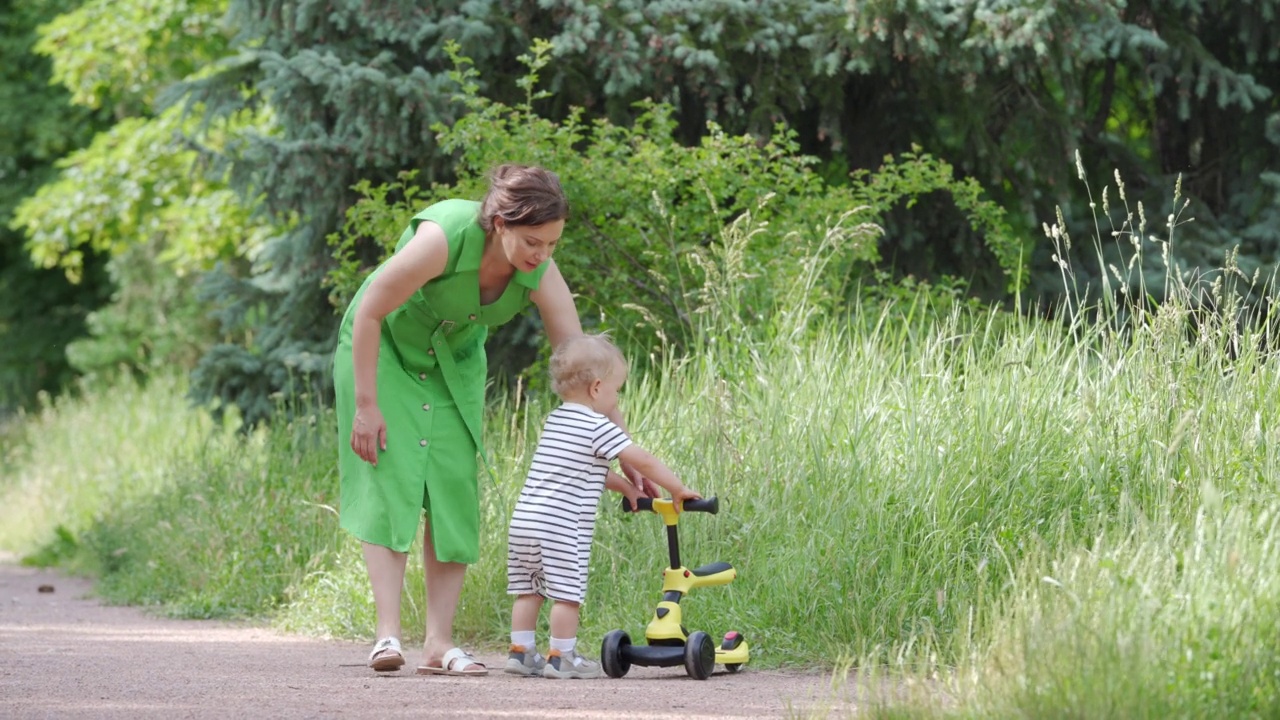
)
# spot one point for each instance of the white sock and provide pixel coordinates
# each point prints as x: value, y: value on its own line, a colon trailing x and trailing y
x: 564, y: 645
x: 525, y: 638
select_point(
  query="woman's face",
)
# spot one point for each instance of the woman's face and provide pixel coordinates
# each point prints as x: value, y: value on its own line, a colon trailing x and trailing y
x: 528, y: 246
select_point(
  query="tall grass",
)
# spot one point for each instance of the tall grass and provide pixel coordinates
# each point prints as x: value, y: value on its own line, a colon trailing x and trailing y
x: 1177, y: 621
x: 77, y: 458
x: 1170, y: 609
x: 131, y: 483
x: 245, y: 520
x: 885, y: 480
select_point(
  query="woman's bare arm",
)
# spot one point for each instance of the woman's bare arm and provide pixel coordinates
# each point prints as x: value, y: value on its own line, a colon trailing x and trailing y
x: 556, y: 306
x: 420, y: 260
x: 560, y: 318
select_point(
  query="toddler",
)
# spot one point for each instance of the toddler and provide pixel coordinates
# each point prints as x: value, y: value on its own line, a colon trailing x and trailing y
x: 549, y: 541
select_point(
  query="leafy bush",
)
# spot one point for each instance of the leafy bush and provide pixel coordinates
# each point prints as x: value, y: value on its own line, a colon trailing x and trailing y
x: 648, y: 214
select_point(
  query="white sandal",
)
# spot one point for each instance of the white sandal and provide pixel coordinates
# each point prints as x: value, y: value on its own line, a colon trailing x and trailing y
x: 387, y: 655
x: 455, y: 662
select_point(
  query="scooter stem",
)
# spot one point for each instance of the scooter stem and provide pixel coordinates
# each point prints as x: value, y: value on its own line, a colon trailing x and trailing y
x: 666, y: 509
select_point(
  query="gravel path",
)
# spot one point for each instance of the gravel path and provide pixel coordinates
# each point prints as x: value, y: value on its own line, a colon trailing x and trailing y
x: 65, y: 655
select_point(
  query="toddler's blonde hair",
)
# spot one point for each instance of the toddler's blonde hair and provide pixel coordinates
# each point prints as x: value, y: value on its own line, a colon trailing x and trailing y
x: 581, y: 360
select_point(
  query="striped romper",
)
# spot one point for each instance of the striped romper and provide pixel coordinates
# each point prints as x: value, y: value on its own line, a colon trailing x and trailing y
x: 549, y: 540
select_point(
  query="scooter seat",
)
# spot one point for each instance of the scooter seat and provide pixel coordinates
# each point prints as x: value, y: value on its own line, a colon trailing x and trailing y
x: 711, y: 569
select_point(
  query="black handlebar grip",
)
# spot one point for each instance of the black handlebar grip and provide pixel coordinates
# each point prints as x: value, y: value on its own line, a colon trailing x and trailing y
x: 641, y: 504
x: 707, y: 505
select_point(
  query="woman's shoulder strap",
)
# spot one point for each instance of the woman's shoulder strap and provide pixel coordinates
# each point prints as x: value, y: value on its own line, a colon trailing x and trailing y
x: 459, y: 221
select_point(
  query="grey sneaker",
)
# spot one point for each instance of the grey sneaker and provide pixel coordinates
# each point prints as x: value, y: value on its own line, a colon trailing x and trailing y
x: 570, y: 665
x: 524, y: 662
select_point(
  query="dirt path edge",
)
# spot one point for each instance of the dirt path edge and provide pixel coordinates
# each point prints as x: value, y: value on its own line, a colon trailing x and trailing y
x: 64, y: 654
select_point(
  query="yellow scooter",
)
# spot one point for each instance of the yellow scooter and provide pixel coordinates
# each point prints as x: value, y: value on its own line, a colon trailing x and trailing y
x: 669, y: 642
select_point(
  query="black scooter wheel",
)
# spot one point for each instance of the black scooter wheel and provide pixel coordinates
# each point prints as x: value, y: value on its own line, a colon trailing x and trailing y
x: 699, y: 655
x: 613, y: 654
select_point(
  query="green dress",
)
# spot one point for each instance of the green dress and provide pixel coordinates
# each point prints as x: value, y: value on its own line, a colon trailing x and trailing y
x: 431, y: 378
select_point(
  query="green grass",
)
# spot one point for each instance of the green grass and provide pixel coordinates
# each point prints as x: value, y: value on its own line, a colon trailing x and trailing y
x: 1162, y: 622
x: 132, y: 484
x: 1167, y: 622
x: 880, y: 486
x: 985, y: 515
x: 79, y: 457
x: 243, y: 520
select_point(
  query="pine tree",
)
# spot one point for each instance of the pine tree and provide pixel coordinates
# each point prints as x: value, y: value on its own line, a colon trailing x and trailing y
x: 354, y: 88
x: 1006, y: 91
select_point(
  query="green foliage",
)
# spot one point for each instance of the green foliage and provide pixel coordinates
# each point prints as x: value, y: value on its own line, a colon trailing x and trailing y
x: 40, y: 311
x: 119, y: 54
x: 162, y: 223
x: 354, y: 89
x: 649, y: 214
x: 378, y: 216
x: 999, y: 89
x: 160, y: 197
x: 153, y: 323
x: 136, y: 195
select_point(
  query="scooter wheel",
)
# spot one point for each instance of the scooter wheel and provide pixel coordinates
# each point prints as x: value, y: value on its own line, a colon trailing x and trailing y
x: 613, y: 654
x: 699, y: 655
x: 732, y: 640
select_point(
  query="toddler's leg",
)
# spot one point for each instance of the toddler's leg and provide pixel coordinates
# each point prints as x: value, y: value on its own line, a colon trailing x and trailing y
x: 524, y: 613
x: 564, y: 661
x: 564, y: 619
x: 523, y: 658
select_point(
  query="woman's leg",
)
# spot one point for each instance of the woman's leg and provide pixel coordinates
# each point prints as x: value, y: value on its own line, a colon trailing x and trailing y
x: 444, y: 587
x: 386, y: 575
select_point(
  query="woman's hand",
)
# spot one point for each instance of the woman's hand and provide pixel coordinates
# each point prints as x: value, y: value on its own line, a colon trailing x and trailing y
x: 369, y: 433
x: 647, y: 487
x: 619, y: 484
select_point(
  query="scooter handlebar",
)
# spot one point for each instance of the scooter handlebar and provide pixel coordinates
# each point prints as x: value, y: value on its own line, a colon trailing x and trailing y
x: 707, y: 505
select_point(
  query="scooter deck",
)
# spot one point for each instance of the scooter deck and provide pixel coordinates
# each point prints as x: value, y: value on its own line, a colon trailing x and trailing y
x: 654, y: 655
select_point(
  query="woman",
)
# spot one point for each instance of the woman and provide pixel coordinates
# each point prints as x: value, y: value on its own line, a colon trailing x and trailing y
x: 411, y: 346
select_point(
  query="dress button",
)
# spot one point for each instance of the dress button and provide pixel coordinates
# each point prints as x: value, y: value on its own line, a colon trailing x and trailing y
x: 422, y: 376
x: 431, y: 351
x: 426, y: 406
x: 423, y: 442
x: 472, y: 316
